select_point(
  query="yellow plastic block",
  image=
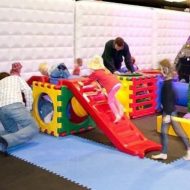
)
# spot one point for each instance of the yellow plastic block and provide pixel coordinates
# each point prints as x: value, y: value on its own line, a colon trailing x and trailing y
x: 47, y: 88
x: 123, y: 95
x: 185, y: 124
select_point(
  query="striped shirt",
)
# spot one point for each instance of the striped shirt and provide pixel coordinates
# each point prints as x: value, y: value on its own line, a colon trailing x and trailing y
x: 11, y: 89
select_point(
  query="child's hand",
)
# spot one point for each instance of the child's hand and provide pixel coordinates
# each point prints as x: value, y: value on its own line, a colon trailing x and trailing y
x: 117, y: 73
x: 80, y: 83
x: 167, y: 119
x: 104, y: 91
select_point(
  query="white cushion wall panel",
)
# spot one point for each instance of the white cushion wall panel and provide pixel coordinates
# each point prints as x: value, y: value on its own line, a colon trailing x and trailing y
x: 171, y: 32
x: 56, y: 5
x: 98, y: 22
x: 35, y: 31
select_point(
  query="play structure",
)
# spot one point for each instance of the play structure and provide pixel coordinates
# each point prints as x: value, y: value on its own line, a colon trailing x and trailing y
x: 138, y: 94
x: 64, y: 119
x: 90, y: 103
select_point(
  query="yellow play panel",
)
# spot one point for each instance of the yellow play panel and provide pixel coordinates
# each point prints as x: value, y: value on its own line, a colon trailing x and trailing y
x: 38, y: 89
x: 185, y: 124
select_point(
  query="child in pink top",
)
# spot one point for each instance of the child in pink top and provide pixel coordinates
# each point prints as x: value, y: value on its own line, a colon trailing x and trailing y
x: 77, y: 66
x: 109, y: 81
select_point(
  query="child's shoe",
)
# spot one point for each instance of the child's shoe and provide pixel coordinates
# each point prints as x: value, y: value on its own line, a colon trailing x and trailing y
x: 160, y: 156
x: 187, y: 156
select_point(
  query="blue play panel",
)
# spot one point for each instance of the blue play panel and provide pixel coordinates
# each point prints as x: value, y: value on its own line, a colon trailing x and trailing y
x: 101, y: 167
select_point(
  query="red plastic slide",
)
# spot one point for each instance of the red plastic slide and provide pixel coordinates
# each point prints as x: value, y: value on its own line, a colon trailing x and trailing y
x: 124, y: 134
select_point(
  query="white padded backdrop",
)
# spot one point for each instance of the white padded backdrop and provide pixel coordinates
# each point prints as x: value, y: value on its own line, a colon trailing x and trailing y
x: 36, y: 31
x: 55, y: 31
x: 152, y: 34
x: 171, y: 32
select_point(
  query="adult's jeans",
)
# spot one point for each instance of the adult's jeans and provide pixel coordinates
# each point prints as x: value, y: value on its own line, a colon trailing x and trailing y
x: 18, y: 123
x: 178, y: 130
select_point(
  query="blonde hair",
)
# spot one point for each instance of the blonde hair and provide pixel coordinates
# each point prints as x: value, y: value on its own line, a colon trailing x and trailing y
x: 43, y: 68
x: 167, y: 67
x: 96, y: 63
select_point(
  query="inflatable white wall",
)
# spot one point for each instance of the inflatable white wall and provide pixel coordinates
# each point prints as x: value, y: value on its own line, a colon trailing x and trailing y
x: 171, y: 32
x: 55, y: 31
x: 152, y: 34
x: 98, y: 22
x: 36, y: 31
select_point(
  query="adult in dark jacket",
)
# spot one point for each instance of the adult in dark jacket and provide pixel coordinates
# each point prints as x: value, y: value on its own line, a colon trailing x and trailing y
x: 114, y: 52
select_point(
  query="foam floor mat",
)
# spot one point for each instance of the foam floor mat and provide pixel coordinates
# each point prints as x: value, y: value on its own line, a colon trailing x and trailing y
x: 101, y: 167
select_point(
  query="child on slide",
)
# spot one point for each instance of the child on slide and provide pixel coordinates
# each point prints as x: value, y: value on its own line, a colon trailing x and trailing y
x: 109, y: 81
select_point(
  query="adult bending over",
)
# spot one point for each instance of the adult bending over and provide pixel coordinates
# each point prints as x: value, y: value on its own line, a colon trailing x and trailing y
x: 114, y: 52
x: 15, y: 116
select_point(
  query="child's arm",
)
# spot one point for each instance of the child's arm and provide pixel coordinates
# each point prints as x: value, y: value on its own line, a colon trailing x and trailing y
x: 85, y: 82
x: 27, y: 94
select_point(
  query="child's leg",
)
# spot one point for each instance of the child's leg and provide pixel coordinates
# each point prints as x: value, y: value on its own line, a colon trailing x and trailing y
x: 113, y: 106
x: 116, y: 107
x: 181, y: 133
x: 27, y: 125
x: 164, y: 141
x: 114, y: 103
x: 119, y: 107
x: 9, y: 124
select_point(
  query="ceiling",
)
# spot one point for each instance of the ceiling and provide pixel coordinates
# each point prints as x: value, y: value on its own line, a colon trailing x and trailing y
x: 156, y: 3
